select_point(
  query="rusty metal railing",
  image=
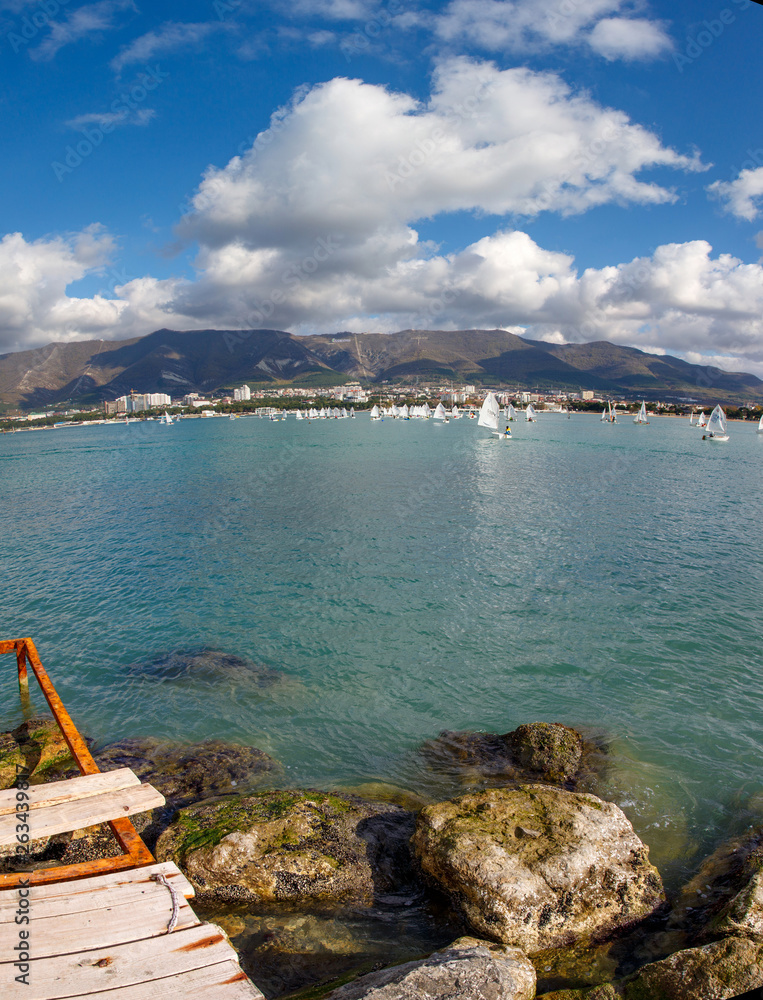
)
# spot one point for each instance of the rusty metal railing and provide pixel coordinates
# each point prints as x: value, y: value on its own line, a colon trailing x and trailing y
x: 136, y: 854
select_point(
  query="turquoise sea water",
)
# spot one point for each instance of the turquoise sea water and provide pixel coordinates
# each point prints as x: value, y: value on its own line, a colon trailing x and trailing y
x: 406, y: 577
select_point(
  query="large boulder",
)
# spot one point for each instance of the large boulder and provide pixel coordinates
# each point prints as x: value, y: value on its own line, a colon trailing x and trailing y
x: 539, y: 867
x: 469, y: 968
x: 548, y: 752
x: 293, y: 845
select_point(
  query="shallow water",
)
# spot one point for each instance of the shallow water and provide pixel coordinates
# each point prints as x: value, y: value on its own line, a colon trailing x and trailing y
x: 403, y: 578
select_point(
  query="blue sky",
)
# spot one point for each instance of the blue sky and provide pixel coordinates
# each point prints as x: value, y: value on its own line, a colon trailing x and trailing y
x: 571, y: 169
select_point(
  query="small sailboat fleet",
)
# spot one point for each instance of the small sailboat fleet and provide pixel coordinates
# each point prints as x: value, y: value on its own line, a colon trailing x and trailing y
x: 166, y: 419
x: 641, y: 417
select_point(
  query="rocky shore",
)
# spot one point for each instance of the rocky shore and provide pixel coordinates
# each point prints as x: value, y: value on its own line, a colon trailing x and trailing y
x: 528, y: 884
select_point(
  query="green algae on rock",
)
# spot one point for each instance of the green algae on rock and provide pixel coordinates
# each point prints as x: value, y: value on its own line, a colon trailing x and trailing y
x: 538, y: 867
x: 292, y: 845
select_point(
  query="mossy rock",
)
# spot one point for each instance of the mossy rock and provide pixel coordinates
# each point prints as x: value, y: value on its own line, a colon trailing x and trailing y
x: 11, y: 760
x: 45, y: 751
x: 290, y: 845
x: 539, y: 867
x: 715, y: 971
x: 547, y: 752
x: 186, y: 773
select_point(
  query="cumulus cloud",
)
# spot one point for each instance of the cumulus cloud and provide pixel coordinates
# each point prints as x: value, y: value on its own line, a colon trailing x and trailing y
x: 355, y: 158
x: 741, y: 196
x: 536, y: 25
x: 629, y: 38
x: 81, y: 23
x: 313, y: 229
x: 169, y: 37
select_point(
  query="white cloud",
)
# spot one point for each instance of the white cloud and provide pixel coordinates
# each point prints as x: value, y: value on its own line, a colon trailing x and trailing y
x: 314, y: 230
x: 169, y: 37
x: 537, y: 25
x: 80, y: 23
x: 629, y: 38
x: 355, y: 158
x: 741, y: 195
x: 112, y: 119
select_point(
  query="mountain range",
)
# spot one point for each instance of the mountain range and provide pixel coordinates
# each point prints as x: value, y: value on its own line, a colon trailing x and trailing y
x: 204, y: 361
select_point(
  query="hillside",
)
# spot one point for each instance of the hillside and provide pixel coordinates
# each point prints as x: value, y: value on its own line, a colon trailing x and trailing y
x: 204, y: 361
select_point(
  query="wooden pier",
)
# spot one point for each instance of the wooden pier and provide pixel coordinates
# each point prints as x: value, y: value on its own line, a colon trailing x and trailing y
x: 116, y: 928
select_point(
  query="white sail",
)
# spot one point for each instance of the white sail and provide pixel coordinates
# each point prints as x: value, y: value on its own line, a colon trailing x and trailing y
x: 299, y: 415
x: 404, y: 411
x: 489, y: 413
x: 530, y: 413
x: 641, y: 417
x: 691, y: 419
x: 702, y: 422
x: 375, y: 412
x: 395, y: 412
x: 455, y: 412
x: 760, y: 425
x: 313, y: 414
x: 512, y: 414
x: 352, y: 413
x: 604, y: 415
x: 439, y: 413
x: 716, y: 425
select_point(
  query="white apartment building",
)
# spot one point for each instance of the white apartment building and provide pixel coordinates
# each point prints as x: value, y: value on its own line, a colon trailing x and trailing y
x: 242, y: 394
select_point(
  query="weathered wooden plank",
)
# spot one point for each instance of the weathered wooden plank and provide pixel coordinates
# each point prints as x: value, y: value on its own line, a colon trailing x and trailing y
x: 93, y: 893
x: 224, y: 981
x: 54, y: 792
x: 105, y: 969
x: 113, y: 923
x: 78, y: 814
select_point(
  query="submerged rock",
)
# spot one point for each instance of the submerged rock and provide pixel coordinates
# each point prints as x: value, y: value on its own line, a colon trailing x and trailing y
x: 290, y: 846
x: 716, y: 971
x: 537, y: 866
x: 190, y: 773
x: 726, y: 895
x: 209, y: 664
x: 469, y: 968
x: 546, y: 752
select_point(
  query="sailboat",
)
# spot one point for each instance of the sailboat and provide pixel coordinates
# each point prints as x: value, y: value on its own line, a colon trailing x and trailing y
x: 489, y: 415
x: 641, y: 417
x: 716, y: 426
x: 760, y: 425
x: 604, y: 416
x: 439, y: 413
x: 299, y: 415
x: 612, y: 415
x: 702, y: 421
x: 691, y: 419
x: 511, y: 413
x: 375, y: 414
x: 455, y: 412
x: 165, y: 418
x: 530, y: 415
